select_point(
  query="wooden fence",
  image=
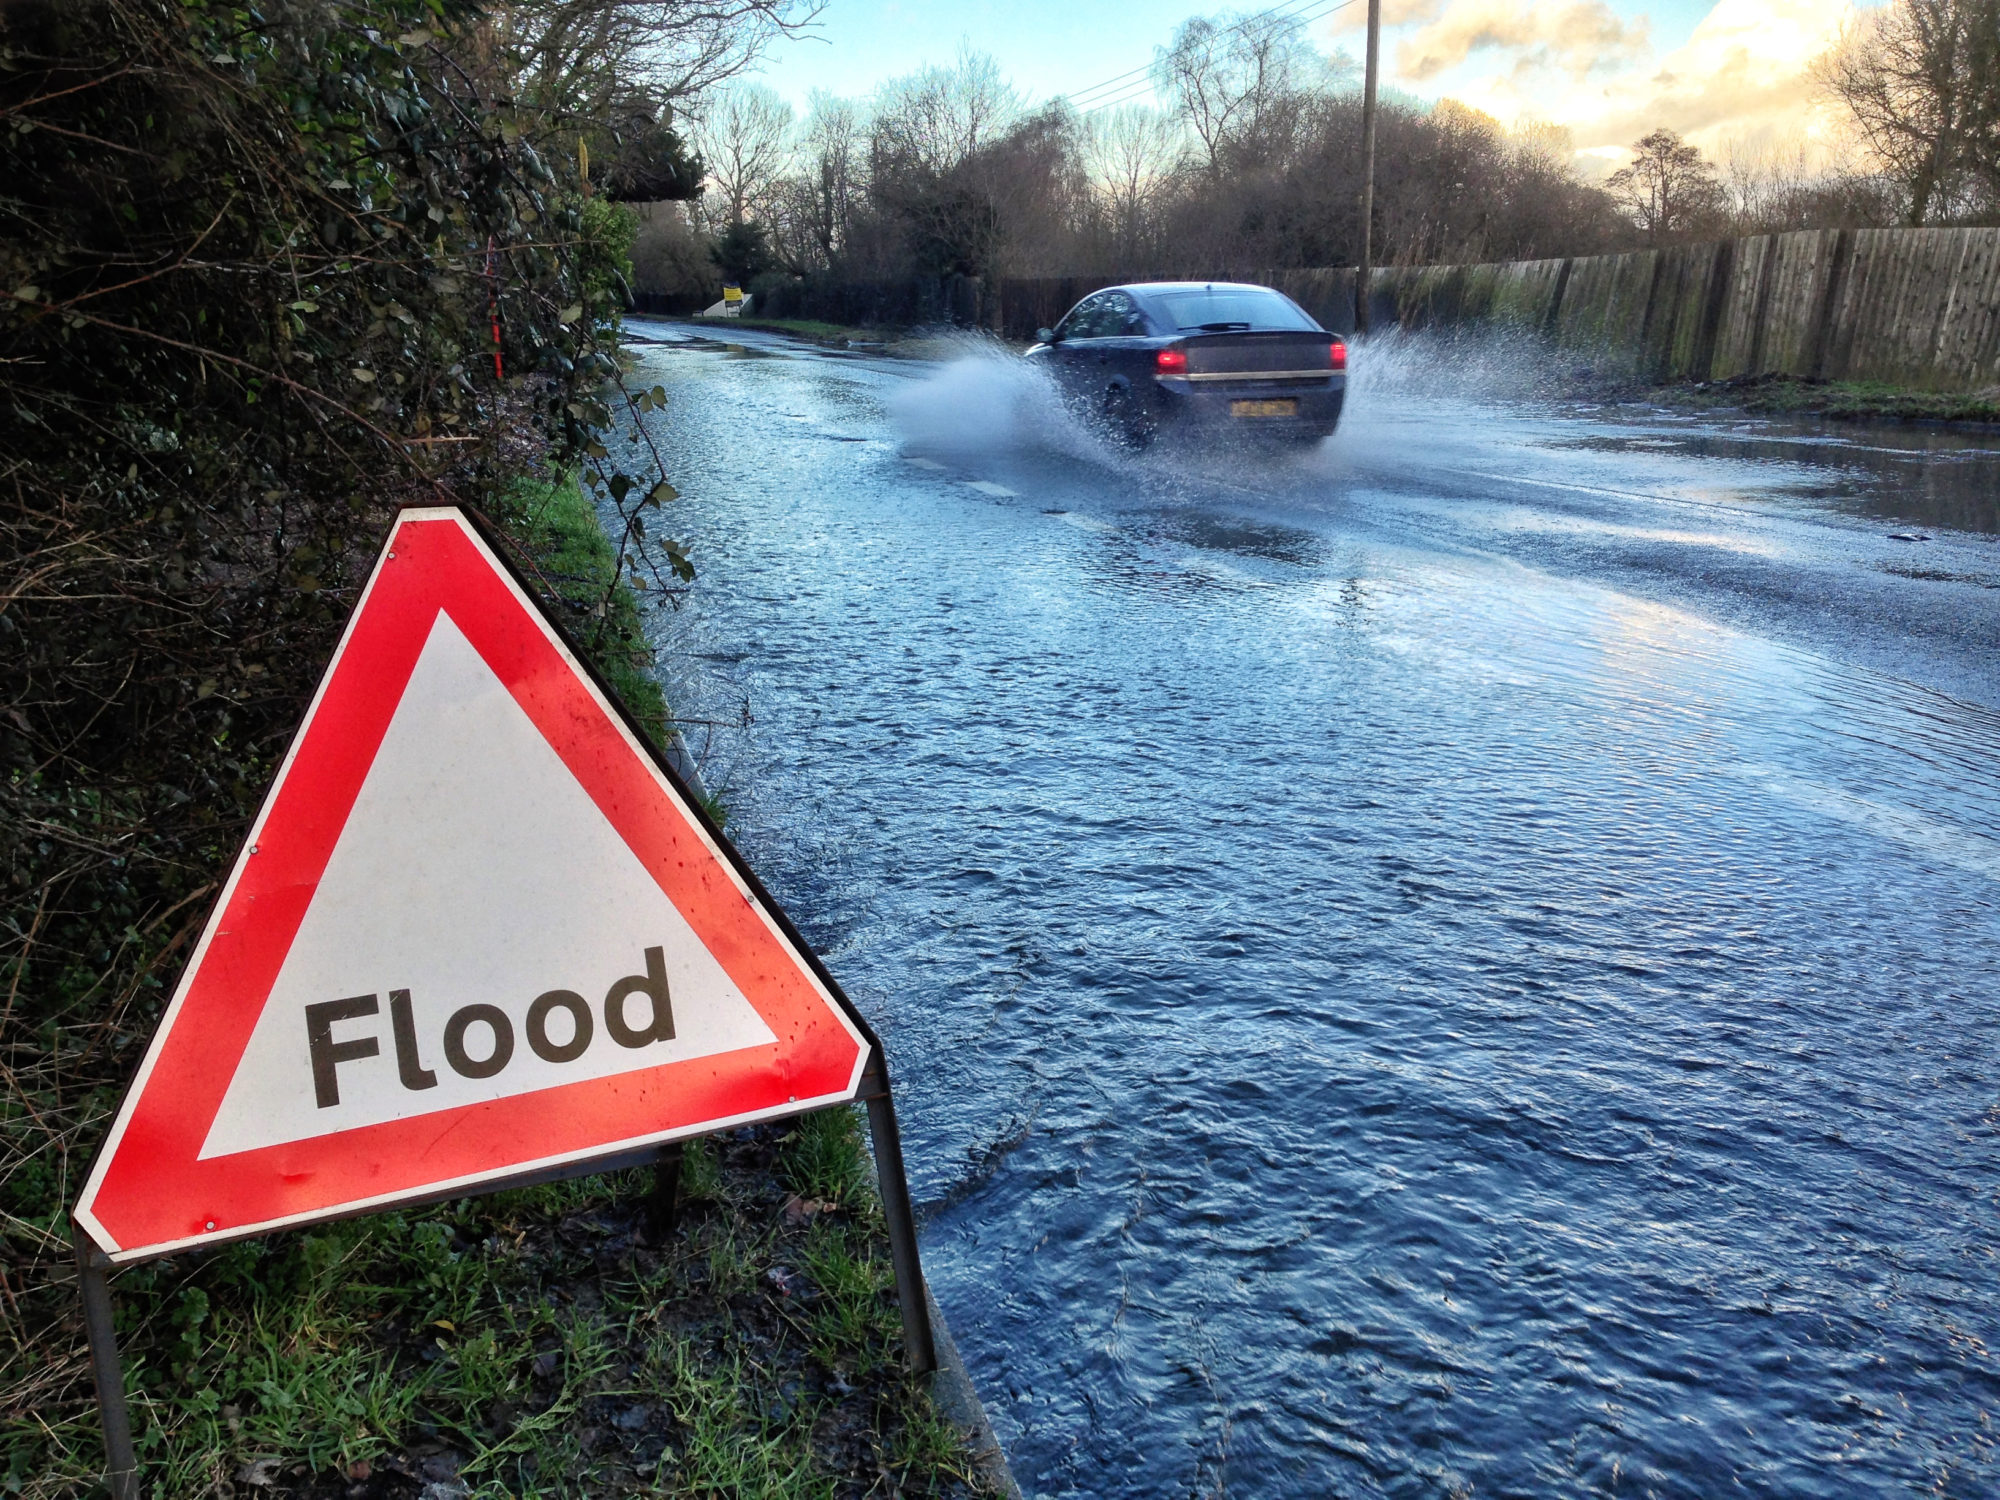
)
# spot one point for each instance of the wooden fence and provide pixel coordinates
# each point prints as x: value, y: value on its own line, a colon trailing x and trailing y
x: 1911, y: 307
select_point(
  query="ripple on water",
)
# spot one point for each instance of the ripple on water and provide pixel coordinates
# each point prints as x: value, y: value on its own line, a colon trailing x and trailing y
x: 1370, y: 1021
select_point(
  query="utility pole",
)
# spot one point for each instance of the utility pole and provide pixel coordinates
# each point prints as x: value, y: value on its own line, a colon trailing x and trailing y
x: 1368, y: 167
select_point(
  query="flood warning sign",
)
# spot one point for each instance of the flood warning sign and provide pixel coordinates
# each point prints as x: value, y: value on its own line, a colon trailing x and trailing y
x: 476, y: 929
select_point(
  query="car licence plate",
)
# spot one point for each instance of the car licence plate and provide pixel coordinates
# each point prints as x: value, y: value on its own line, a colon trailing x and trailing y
x: 1263, y: 408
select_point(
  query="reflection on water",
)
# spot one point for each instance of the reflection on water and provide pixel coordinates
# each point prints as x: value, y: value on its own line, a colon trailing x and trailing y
x: 1930, y: 476
x: 1204, y: 529
x: 1943, y: 575
x: 694, y: 343
x: 1370, y: 1019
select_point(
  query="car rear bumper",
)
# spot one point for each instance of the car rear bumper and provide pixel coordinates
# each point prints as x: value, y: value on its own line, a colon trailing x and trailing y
x: 1245, y: 406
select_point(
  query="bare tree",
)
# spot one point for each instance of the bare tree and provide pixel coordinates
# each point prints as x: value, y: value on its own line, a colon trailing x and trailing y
x: 937, y: 118
x: 834, y: 161
x: 1034, y: 176
x: 1773, y: 188
x: 1132, y: 153
x: 745, y: 136
x: 1922, y: 80
x: 811, y: 212
x: 1542, y: 148
x: 1234, y: 78
x: 954, y: 165
x: 602, y: 78
x: 1670, y: 189
x: 574, y: 58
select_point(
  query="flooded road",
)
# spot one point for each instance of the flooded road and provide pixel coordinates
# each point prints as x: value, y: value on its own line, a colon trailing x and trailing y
x: 1464, y: 962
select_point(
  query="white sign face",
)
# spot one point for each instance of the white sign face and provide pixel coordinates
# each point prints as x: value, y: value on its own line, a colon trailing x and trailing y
x: 471, y: 874
x: 478, y: 931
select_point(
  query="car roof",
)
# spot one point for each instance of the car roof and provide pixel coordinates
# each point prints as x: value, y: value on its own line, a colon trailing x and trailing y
x: 1145, y: 287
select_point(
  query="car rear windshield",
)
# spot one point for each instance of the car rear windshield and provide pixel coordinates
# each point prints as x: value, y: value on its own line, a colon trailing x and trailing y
x: 1231, y: 306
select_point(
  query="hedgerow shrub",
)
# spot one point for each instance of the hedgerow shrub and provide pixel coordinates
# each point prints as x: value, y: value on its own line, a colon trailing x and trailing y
x: 251, y: 265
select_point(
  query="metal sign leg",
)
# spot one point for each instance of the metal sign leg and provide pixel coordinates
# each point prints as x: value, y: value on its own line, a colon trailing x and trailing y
x: 663, y: 1205
x: 121, y: 1464
x: 895, y: 1189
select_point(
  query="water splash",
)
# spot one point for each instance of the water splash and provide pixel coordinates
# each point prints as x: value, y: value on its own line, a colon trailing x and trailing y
x: 1482, y: 365
x: 989, y: 400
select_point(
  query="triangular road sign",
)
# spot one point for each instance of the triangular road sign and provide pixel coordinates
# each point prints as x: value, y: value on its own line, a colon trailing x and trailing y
x: 478, y: 931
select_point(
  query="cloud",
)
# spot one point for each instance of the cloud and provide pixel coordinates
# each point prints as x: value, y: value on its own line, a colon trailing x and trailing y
x: 1746, y: 70
x: 1743, y: 73
x: 1394, y: 13
x: 1577, y: 38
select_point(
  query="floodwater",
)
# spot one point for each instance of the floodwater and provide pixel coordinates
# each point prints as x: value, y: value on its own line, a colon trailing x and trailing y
x: 1463, y: 962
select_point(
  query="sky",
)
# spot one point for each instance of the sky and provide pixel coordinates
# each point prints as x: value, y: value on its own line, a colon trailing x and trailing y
x: 1720, y: 72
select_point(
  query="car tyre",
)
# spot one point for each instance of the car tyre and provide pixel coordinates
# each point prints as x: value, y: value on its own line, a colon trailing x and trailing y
x: 1129, y: 424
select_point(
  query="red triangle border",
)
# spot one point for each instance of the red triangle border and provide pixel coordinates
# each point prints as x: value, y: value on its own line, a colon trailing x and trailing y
x: 148, y: 1193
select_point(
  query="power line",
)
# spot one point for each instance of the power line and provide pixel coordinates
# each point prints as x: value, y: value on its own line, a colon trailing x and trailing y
x: 1276, y: 12
x: 1077, y: 95
x: 1145, y: 87
x: 1120, y: 90
x: 1143, y: 91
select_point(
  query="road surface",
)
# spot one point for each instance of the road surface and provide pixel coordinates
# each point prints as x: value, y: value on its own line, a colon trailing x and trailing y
x: 1463, y: 962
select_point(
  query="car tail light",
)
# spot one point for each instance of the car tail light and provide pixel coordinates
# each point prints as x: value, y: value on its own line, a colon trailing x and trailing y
x: 1336, y: 355
x: 1171, y: 361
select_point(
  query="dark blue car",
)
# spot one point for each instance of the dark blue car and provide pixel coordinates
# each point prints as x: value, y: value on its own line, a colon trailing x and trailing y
x: 1207, y: 355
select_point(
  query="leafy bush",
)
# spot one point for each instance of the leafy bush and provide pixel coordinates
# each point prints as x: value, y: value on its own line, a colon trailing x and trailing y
x: 251, y: 266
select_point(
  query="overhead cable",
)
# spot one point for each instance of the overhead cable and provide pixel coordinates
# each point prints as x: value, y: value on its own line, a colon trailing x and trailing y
x: 1137, y: 83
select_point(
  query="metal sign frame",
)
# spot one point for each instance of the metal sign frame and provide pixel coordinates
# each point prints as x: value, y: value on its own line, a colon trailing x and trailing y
x: 94, y: 1265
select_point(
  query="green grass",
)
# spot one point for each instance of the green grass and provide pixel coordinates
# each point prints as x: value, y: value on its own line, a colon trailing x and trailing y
x: 1839, y: 400
x: 802, y: 327
x: 824, y: 1163
x: 536, y: 1339
x: 574, y: 561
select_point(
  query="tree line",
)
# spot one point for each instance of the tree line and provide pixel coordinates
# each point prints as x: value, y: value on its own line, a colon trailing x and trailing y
x: 1248, y: 158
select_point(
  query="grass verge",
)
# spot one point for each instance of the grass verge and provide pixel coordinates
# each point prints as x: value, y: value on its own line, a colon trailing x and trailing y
x: 542, y: 1342
x: 566, y: 551
x: 1836, y: 400
x: 899, y: 343
x: 806, y: 328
